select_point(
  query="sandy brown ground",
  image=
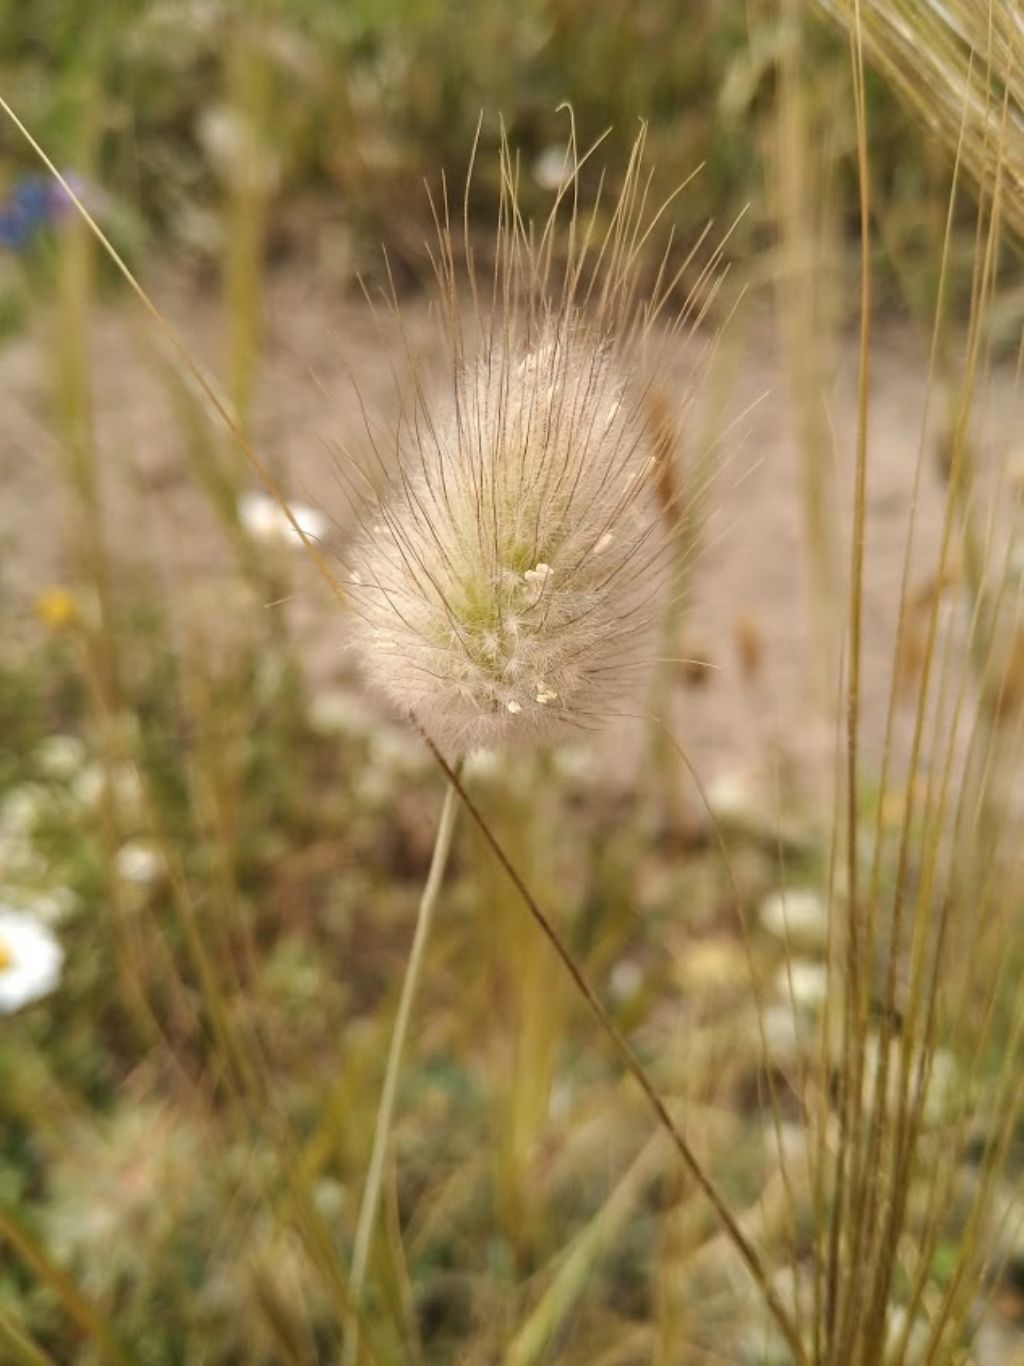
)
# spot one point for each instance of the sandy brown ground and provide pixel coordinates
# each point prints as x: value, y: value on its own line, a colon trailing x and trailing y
x: 750, y: 584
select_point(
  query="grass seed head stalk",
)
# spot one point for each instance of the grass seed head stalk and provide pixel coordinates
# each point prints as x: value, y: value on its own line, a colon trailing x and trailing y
x: 510, y: 573
x: 508, y: 577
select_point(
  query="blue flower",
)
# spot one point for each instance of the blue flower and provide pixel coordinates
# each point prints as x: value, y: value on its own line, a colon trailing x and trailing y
x: 34, y: 202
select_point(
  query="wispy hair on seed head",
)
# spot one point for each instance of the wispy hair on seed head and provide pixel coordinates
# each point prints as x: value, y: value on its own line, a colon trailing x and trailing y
x: 513, y: 556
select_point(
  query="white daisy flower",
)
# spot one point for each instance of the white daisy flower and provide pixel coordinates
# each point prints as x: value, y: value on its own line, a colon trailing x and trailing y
x: 806, y: 979
x: 733, y: 795
x: 265, y: 519
x: 340, y: 711
x: 30, y: 960
x: 236, y: 151
x: 138, y: 862
x: 796, y: 913
x: 553, y: 169
x: 90, y: 784
x: 60, y: 756
x: 23, y: 808
x: 626, y: 979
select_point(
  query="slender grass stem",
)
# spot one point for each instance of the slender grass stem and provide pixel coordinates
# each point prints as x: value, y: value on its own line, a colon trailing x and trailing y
x: 743, y: 1245
x: 88, y: 1316
x: 386, y: 1108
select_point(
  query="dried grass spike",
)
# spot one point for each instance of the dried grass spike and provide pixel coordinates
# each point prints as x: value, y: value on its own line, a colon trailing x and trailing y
x: 509, y: 583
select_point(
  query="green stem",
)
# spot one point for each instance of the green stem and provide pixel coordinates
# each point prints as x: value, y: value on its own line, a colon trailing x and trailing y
x: 386, y: 1108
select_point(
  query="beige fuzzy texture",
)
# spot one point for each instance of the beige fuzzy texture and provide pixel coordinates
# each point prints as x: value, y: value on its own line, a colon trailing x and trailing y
x: 508, y: 583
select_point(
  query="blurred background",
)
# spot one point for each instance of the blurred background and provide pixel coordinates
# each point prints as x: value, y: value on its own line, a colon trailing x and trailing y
x: 212, y: 841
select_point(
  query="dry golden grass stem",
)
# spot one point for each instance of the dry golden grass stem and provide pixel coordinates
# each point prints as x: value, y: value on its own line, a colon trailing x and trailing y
x: 368, y: 1211
x: 880, y: 1152
x: 799, y: 178
x: 883, y: 1239
x: 927, y: 50
x: 82, y: 1310
x: 854, y: 1035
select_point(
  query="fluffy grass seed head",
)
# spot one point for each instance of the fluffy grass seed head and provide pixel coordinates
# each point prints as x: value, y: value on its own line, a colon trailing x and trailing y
x: 509, y: 579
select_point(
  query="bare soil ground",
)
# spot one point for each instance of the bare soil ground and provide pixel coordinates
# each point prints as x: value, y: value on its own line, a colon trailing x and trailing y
x: 758, y: 708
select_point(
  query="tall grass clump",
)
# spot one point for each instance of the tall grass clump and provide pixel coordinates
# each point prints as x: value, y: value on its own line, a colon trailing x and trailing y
x: 957, y: 66
x: 913, y: 987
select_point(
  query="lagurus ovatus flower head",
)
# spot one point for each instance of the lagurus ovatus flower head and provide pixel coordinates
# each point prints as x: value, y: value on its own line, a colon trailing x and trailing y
x: 509, y: 577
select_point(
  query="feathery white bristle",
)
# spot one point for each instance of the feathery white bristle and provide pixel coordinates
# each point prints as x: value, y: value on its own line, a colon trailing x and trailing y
x: 512, y: 582
x: 482, y: 606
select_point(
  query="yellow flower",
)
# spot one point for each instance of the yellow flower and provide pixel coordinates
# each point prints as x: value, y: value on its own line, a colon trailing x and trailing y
x: 55, y: 607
